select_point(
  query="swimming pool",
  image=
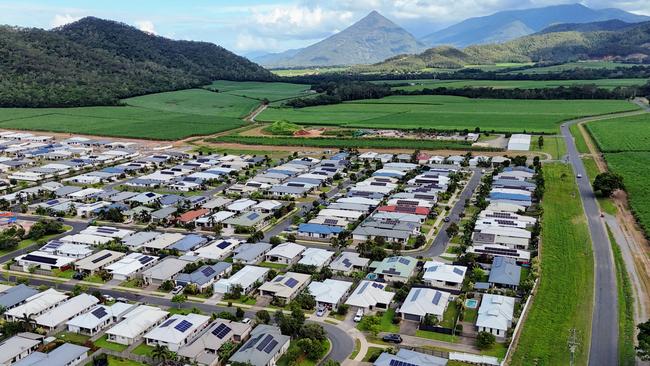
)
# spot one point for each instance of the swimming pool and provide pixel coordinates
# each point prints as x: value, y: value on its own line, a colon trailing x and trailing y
x: 471, y: 303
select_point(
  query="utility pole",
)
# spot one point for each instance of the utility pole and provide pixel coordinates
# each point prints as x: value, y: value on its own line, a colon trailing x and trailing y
x: 573, y: 344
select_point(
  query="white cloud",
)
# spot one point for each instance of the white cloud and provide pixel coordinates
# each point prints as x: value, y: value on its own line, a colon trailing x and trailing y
x: 146, y: 26
x: 63, y: 19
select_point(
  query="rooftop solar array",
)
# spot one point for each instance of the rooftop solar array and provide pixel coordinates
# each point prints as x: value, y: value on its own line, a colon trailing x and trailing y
x: 167, y: 323
x: 279, y: 278
x: 377, y: 285
x: 99, y: 259
x: 223, y: 245
x: 416, y: 294
x: 99, y: 313
x: 253, y: 216
x: 436, y: 298
x: 208, y: 271
x: 400, y: 363
x: 363, y: 288
x: 330, y: 222
x: 52, y: 245
x: 404, y: 261
x: 251, y: 343
x: 458, y: 271
x: 106, y: 230
x: 264, y: 342
x: 40, y: 259
x: 391, y: 260
x: 270, y: 346
x: 291, y: 282
x: 183, y: 326
x: 346, y: 262
x: 221, y: 331
x: 145, y: 259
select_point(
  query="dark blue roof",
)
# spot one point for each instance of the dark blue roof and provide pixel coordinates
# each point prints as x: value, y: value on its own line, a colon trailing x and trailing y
x: 189, y: 242
x: 319, y: 229
x: 113, y: 169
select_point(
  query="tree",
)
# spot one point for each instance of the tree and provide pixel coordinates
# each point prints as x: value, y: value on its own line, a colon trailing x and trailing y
x: 313, y: 331
x: 452, y: 230
x: 643, y: 349
x: 234, y: 292
x: 485, y: 340
x: 179, y: 299
x: 239, y: 313
x: 160, y: 353
x: 312, y: 349
x: 606, y: 183
x: 275, y: 241
x: 226, y: 350
x: 263, y: 317
x: 430, y: 320
x: 540, y: 142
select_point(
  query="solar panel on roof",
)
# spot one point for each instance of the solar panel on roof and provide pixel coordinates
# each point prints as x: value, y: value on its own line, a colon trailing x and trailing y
x: 330, y: 222
x: 363, y: 288
x: 278, y: 279
x: 416, y: 294
x: 99, y: 259
x: 223, y: 245
x: 291, y: 282
x: 377, y: 285
x: 221, y: 331
x: 270, y: 346
x: 146, y: 259
x: 264, y: 342
x: 458, y: 271
x: 183, y: 326
x: 99, y: 312
x: 404, y: 261
x: 251, y: 343
x: 391, y: 259
x: 208, y: 271
x: 436, y: 298
x: 166, y: 324
x: 253, y: 215
x: 346, y: 262
x: 40, y: 259
x: 400, y: 363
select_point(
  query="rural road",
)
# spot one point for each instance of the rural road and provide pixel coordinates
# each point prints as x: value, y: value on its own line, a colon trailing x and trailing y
x: 604, y: 327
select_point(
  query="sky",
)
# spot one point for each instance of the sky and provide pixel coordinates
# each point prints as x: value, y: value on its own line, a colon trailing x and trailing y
x: 251, y: 27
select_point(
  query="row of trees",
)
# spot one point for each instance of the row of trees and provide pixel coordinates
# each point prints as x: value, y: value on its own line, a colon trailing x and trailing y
x: 338, y: 92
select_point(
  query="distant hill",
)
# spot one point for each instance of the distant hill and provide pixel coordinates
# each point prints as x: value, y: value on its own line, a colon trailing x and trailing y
x: 371, y: 39
x: 507, y: 25
x: 98, y: 62
x: 628, y: 44
x: 607, y: 25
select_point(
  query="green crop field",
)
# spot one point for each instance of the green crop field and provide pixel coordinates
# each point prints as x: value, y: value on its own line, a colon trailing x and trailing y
x: 511, y: 84
x: 564, y: 298
x: 449, y: 113
x: 574, y: 65
x: 633, y: 166
x: 622, y: 134
x: 196, y: 101
x: 260, y: 90
x: 135, y: 122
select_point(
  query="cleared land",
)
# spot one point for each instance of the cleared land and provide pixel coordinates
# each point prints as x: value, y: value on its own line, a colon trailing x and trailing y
x: 622, y: 134
x: 564, y: 296
x: 512, y: 84
x: 260, y: 90
x: 449, y: 113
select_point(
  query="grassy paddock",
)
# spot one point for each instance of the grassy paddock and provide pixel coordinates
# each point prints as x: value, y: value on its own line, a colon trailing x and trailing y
x: 553, y: 145
x: 579, y: 139
x: 633, y: 166
x: 564, y: 297
x: 622, y: 134
x: 512, y: 84
x: 259, y: 90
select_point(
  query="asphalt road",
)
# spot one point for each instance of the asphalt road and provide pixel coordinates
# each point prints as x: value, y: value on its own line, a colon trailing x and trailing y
x: 441, y: 240
x: 604, y: 327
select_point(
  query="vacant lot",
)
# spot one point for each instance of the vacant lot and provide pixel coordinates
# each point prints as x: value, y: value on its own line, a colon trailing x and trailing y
x: 260, y: 90
x: 196, y: 101
x: 511, y: 84
x: 564, y: 297
x: 622, y: 134
x: 133, y: 122
x: 449, y: 113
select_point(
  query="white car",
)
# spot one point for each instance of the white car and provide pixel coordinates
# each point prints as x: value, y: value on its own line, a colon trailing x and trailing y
x: 108, y: 298
x: 246, y: 320
x: 358, y: 316
x: 177, y: 290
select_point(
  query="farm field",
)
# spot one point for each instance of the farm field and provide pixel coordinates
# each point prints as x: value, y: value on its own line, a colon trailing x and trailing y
x: 564, y: 296
x: 633, y: 166
x: 622, y: 134
x: 448, y: 113
x: 196, y: 101
x: 259, y: 90
x: 511, y: 84
x: 572, y: 66
x: 130, y: 122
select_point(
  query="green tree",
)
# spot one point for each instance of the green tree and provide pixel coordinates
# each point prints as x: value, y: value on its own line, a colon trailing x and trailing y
x: 179, y: 299
x: 263, y: 317
x: 608, y: 182
x: 485, y: 340
x: 643, y: 349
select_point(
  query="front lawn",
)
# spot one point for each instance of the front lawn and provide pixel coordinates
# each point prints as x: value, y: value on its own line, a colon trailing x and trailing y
x: 302, y: 359
x: 450, y: 315
x: 67, y: 274
x: 497, y: 350
x: 104, y: 343
x: 71, y: 337
x: 372, y: 354
x: 271, y: 265
x: 387, y: 322
x: 143, y: 350
x: 470, y: 315
x: 116, y: 361
x: 132, y: 283
x: 94, y: 279
x: 436, y: 336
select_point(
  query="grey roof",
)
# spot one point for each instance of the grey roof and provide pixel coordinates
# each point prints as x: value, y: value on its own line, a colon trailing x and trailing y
x: 505, y: 271
x: 66, y: 190
x: 288, y: 190
x: 140, y: 238
x: 163, y: 213
x: 248, y: 252
x: 373, y: 231
x: 264, y: 343
x: 62, y: 355
x: 15, y: 346
x: 408, y: 357
x: 15, y: 295
x: 203, y: 274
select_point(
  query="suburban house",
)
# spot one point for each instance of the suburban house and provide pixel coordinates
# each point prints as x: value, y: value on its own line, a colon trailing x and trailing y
x: 285, y: 253
x: 98, y: 261
x: 204, y: 349
x: 18, y: 347
x: 349, y: 262
x: 161, y: 242
x: 36, y: 305
x: 251, y: 253
x: 395, y: 269
x: 504, y: 273
x: 66, y: 311
x: 98, y: 318
x: 319, y: 231
x: 67, y: 354
x: 265, y: 346
x: 177, y: 331
x: 136, y: 323
x: 247, y: 277
x: 16, y: 295
x: 204, y: 276
x: 285, y: 286
x: 406, y: 357
x: 330, y: 293
x: 137, y: 240
x: 443, y: 275
x: 495, y: 314
x: 369, y: 295
x: 249, y: 220
x: 131, y: 265
x: 421, y: 302
x: 218, y: 250
x: 166, y: 269
x: 316, y: 257
x: 44, y: 261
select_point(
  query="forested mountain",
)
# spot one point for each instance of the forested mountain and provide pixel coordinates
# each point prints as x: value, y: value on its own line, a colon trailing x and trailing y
x: 507, y: 25
x: 371, y: 39
x: 628, y: 44
x: 98, y: 62
x: 607, y: 25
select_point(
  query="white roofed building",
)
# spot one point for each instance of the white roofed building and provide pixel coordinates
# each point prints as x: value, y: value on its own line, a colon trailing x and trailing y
x: 136, y: 323
x: 177, y: 331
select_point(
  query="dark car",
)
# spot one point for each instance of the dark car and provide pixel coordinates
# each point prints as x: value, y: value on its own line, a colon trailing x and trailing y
x: 392, y: 338
x: 78, y: 276
x: 446, y: 219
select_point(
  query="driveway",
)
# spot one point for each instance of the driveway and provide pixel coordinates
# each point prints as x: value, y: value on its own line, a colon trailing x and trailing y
x: 407, y: 327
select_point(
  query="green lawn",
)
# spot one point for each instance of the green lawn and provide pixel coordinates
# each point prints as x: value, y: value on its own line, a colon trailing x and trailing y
x: 449, y: 113
x: 387, y: 322
x: 143, y: 350
x: 103, y: 343
x: 302, y: 360
x: 27, y: 242
x: 579, y: 138
x: 470, y: 315
x: 553, y: 145
x: 436, y: 336
x: 94, y: 279
x: 565, y: 294
x: 357, y: 348
x: 279, y: 266
x: 71, y: 337
x: 450, y: 315
x: 497, y: 350
x: 622, y: 134
x: 67, y: 274
x: 132, y: 283
x: 372, y: 351
x: 116, y: 361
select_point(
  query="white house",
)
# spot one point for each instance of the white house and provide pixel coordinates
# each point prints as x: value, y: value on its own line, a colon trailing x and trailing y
x: 495, y: 314
x: 127, y: 267
x: 98, y: 318
x: 330, y: 293
x: 66, y: 311
x: 316, y: 257
x: 177, y: 331
x: 247, y: 277
x: 424, y: 301
x: 285, y: 253
x: 443, y: 275
x: 36, y: 305
x: 135, y: 324
x: 369, y: 295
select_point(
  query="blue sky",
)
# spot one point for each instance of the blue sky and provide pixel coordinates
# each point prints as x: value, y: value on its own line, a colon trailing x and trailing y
x: 246, y: 26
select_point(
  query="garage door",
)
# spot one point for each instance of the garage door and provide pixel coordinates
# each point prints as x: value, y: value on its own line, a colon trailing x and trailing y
x: 412, y: 317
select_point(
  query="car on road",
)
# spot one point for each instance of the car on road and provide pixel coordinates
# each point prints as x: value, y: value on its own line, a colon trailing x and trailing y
x: 358, y: 315
x: 579, y: 176
x: 446, y: 219
x: 108, y: 298
x: 177, y: 290
x: 122, y: 299
x: 392, y: 338
x: 59, y: 219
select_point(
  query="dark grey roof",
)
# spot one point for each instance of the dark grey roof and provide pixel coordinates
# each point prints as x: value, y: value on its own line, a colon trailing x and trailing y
x: 247, y: 252
x: 203, y: 274
x: 15, y: 295
x: 264, y: 343
x: 63, y: 355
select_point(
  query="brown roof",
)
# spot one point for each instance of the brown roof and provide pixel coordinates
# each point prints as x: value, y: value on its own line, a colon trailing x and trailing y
x: 190, y: 216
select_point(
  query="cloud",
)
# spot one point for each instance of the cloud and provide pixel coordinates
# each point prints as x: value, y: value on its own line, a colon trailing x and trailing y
x: 297, y: 21
x: 64, y: 19
x: 146, y: 26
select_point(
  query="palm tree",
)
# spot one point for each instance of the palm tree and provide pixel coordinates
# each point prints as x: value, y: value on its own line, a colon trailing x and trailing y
x: 28, y: 323
x: 160, y: 353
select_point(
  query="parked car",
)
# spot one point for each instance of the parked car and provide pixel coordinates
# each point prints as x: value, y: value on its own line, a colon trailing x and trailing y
x: 246, y: 320
x: 320, y: 311
x: 579, y: 176
x: 446, y: 219
x: 78, y: 276
x: 177, y: 290
x: 358, y: 316
x: 122, y: 299
x: 392, y: 338
x: 108, y: 298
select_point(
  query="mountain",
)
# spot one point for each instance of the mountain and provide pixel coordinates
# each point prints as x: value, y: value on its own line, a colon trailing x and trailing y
x: 607, y: 25
x: 371, y: 39
x: 98, y: 62
x: 631, y: 43
x: 507, y: 25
